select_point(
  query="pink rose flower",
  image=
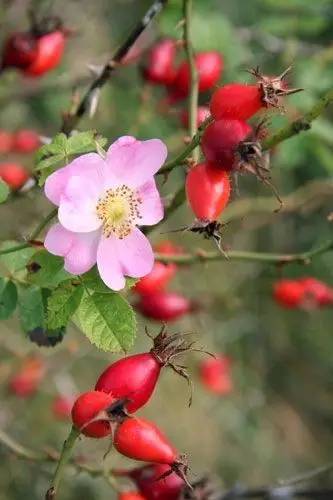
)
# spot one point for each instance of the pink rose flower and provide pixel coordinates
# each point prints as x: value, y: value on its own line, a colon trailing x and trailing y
x: 101, y: 202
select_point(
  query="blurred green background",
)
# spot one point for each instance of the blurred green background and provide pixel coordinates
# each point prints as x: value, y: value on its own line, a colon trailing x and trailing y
x: 278, y: 421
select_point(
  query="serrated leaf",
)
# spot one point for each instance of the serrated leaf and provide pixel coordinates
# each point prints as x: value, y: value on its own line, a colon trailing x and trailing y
x: 8, y: 298
x: 15, y: 261
x: 4, y: 191
x: 62, y: 304
x: 84, y: 142
x: 108, y: 321
x: 47, y: 270
x: 31, y: 308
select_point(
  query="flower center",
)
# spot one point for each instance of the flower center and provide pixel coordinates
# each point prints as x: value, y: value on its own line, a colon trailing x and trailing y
x: 118, y: 210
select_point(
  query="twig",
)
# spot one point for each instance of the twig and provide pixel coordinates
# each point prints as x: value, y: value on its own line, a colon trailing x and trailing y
x: 268, y: 492
x: 71, y: 120
x: 194, y: 81
x: 307, y: 476
x: 274, y: 258
x: 300, y: 124
x: 33, y: 235
x: 63, y: 461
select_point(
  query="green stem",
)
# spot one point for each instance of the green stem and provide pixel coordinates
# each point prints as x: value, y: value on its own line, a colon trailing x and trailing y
x: 274, y: 258
x: 33, y: 235
x: 300, y: 124
x: 194, y: 81
x: 63, y: 461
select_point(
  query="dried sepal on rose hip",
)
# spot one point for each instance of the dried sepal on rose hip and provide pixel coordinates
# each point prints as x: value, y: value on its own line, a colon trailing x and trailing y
x: 135, y: 377
x: 139, y: 439
x: 242, y: 101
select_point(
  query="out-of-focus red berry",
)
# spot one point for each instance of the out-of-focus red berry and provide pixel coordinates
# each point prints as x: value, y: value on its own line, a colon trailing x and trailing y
x: 160, y: 67
x: 202, y: 114
x: 26, y: 141
x: 50, y: 48
x: 6, y: 141
x: 317, y: 291
x: 62, y: 407
x: 14, y: 175
x: 209, y: 66
x: 289, y: 293
x: 161, y: 274
x: 131, y: 495
x: 19, y: 51
x: 26, y: 381
x: 236, y: 101
x: 164, y: 306
x: 216, y: 376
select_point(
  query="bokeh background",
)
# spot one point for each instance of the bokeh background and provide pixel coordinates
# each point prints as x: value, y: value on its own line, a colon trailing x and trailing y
x: 278, y: 420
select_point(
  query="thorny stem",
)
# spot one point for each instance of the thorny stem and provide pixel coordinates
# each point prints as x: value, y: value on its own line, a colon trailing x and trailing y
x: 33, y: 235
x: 63, y: 461
x: 194, y: 81
x: 71, y: 120
x: 274, y: 258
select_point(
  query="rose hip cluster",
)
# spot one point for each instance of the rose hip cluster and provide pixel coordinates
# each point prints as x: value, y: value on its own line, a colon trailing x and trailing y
x: 305, y: 293
x: 155, y: 301
x: 37, y: 51
x: 161, y: 68
x: 229, y: 143
x: 122, y: 389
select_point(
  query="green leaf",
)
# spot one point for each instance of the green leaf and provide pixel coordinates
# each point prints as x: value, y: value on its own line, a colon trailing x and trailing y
x: 31, y: 308
x: 62, y: 149
x: 15, y: 261
x: 4, y: 191
x: 47, y: 270
x: 62, y: 304
x: 108, y: 321
x: 8, y: 298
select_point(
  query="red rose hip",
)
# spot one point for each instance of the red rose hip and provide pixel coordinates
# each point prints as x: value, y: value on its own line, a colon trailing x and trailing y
x: 221, y: 139
x: 140, y: 439
x: 91, y: 406
x: 14, y: 175
x: 207, y: 190
x: 26, y: 141
x: 164, y: 306
x: 160, y: 67
x: 50, y: 48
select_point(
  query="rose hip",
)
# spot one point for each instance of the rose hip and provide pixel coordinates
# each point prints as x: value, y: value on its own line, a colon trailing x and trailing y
x: 160, y: 68
x: 215, y: 375
x: 164, y: 306
x: 89, y: 414
x: 14, y: 175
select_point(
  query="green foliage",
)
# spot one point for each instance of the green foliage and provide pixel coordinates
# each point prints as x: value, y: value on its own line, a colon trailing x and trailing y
x: 107, y: 320
x: 4, y: 191
x: 62, y: 149
x: 62, y: 304
x: 15, y: 262
x: 47, y: 270
x: 8, y: 298
x: 31, y: 307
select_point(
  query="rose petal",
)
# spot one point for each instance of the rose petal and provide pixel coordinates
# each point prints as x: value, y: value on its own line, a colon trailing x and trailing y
x: 77, y: 210
x: 151, y: 209
x: 78, y: 249
x: 135, y: 162
x: 83, y: 253
x: 58, y: 240
x: 86, y: 165
x: 135, y: 254
x: 108, y: 264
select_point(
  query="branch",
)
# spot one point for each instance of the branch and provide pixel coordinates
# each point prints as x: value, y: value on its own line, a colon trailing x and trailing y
x: 309, y: 196
x: 274, y: 258
x: 72, y: 119
x: 267, y: 492
x: 194, y: 80
x: 33, y: 235
x: 63, y: 461
x: 300, y: 124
